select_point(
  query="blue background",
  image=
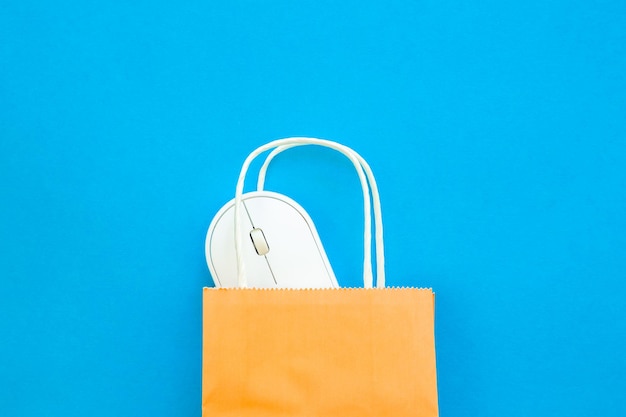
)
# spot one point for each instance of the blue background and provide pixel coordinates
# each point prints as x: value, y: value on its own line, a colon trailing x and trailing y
x: 497, y: 131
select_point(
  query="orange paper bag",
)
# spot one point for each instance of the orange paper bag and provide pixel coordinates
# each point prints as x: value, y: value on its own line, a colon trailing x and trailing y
x: 325, y: 352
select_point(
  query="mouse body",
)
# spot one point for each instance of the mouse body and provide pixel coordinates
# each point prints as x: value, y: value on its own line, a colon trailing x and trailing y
x: 280, y: 245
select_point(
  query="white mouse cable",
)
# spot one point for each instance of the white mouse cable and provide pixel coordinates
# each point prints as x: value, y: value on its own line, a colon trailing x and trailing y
x: 378, y: 224
x: 241, y: 275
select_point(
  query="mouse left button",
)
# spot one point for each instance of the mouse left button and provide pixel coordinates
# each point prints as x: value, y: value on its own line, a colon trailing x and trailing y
x: 222, y: 259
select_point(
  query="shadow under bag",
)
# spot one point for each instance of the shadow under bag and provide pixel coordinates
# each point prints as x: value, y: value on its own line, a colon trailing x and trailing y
x: 324, y: 352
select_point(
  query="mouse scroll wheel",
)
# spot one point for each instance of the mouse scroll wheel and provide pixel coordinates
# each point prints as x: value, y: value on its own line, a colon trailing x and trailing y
x: 259, y: 242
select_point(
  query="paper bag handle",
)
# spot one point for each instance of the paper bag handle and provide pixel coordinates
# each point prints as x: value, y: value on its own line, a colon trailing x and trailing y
x: 380, y: 251
x: 367, y: 233
x: 359, y: 163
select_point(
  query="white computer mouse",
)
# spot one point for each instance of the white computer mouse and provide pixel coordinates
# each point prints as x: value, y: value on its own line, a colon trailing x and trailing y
x: 281, y: 247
